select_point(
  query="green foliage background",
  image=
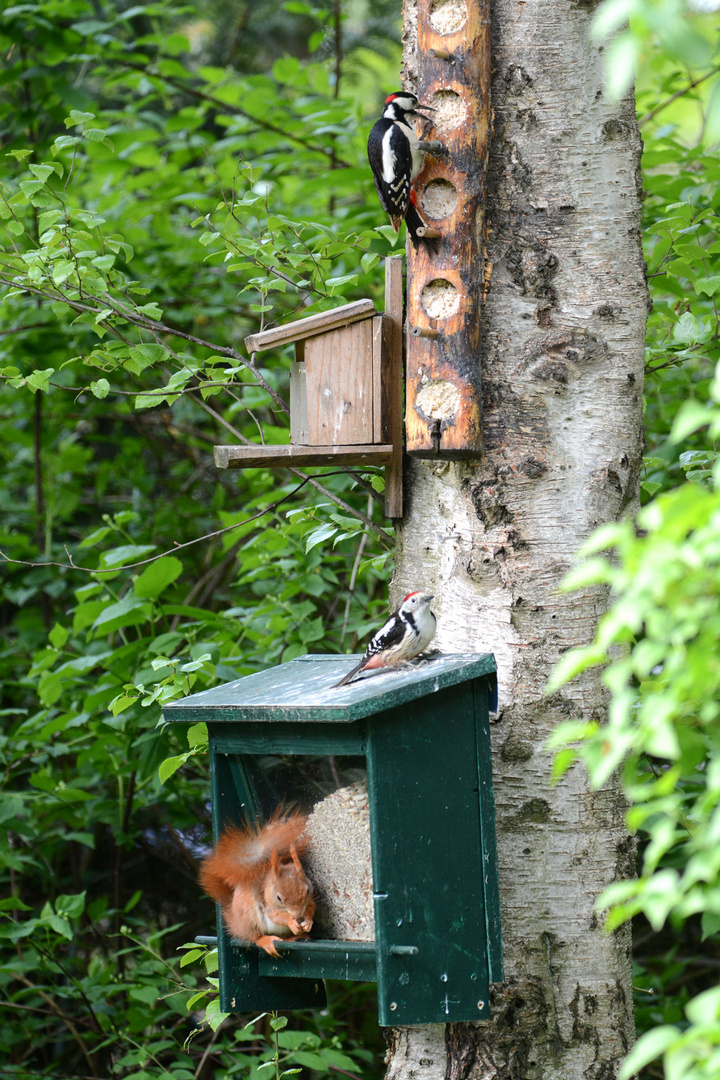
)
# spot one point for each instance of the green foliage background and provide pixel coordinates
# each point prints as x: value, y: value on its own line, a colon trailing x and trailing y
x: 167, y: 188
x: 174, y: 179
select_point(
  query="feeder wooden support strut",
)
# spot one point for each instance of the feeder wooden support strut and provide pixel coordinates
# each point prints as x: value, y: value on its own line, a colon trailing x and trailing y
x: 443, y: 384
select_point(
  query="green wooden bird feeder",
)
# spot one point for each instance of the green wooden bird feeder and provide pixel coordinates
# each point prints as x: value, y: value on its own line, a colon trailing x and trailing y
x: 423, y: 736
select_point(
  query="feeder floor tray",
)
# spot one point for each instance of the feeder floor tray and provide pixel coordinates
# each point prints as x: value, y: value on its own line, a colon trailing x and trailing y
x: 353, y: 960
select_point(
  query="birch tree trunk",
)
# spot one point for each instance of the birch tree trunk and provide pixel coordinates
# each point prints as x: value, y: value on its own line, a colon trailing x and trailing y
x: 562, y: 367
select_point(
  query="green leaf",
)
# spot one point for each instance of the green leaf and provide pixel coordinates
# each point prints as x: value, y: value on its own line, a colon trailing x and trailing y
x: 316, y: 1062
x: 126, y: 553
x: 708, y: 286
x: 170, y: 766
x: 688, y: 331
x: 126, y: 612
x: 197, y: 735
x: 648, y: 1047
x: 13, y: 903
x: 58, y: 636
x: 100, y: 389
x: 156, y: 577
x: 62, y: 270
x: 705, y: 1008
x: 10, y: 806
x: 40, y: 380
x: 60, y: 926
x: 214, y: 1016
x: 574, y: 663
x: 344, y: 279
x: 148, y: 401
x: 71, y: 907
x: 42, y: 171
x: 191, y: 957
x: 710, y: 924
x: 691, y: 416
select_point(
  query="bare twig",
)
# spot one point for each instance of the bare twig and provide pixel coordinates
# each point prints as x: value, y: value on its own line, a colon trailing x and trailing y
x: 61, y: 1016
x: 72, y: 565
x: 678, y: 93
x: 353, y: 575
x: 235, y: 108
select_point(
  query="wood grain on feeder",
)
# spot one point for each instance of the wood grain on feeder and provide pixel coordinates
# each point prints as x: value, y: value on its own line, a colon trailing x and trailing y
x: 445, y: 290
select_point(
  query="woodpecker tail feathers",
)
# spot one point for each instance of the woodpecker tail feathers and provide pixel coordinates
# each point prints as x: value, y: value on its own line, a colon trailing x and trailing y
x: 414, y: 221
x: 351, y: 675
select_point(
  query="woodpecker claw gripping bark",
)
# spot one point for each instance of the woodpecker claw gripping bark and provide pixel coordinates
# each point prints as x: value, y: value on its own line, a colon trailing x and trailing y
x: 396, y: 157
x: 408, y: 631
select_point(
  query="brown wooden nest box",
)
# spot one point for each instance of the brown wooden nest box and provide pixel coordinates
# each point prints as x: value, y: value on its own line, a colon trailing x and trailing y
x: 345, y: 390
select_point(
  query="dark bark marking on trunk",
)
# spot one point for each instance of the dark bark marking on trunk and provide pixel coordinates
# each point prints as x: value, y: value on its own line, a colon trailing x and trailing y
x: 461, y: 1046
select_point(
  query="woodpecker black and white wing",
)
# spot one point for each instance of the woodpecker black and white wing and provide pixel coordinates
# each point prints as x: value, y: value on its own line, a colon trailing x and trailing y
x: 391, y: 164
x: 388, y: 636
x: 391, y: 156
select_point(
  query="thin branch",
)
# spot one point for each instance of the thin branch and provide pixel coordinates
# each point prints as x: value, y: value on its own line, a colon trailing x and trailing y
x: 353, y: 576
x: 24, y: 329
x: 71, y: 565
x: 154, y: 328
x: 678, y: 93
x: 61, y: 1016
x: 235, y: 108
x: 379, y: 532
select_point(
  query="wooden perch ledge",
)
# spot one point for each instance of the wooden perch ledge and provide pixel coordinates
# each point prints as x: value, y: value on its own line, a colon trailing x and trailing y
x: 253, y: 457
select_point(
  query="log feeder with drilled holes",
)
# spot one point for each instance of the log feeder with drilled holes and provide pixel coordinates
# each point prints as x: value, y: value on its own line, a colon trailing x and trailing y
x: 445, y: 289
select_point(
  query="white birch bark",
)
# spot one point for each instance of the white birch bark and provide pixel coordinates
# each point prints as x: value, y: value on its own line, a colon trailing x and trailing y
x: 562, y: 367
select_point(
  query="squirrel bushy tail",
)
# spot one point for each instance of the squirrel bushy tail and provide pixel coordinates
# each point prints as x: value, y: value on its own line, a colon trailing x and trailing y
x: 243, y: 852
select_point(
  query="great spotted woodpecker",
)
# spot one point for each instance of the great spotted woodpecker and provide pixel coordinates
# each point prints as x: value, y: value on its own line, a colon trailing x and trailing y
x: 396, y: 157
x: 406, y: 633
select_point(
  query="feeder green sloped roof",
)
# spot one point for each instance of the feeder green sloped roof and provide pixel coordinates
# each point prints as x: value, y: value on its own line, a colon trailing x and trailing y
x: 304, y: 690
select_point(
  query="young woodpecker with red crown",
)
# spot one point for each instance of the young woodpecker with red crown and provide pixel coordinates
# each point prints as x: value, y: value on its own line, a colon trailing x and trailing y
x: 396, y: 156
x: 407, y: 632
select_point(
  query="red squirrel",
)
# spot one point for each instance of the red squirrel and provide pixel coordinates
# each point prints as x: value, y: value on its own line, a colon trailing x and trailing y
x: 254, y: 873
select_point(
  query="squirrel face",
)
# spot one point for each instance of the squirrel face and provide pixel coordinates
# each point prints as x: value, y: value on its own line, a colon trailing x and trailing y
x: 288, y: 894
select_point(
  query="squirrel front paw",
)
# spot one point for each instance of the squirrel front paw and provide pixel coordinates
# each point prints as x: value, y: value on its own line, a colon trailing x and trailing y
x: 267, y: 942
x: 300, y: 927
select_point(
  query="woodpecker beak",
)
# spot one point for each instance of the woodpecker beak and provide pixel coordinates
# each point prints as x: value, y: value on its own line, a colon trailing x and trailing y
x: 429, y: 598
x: 421, y: 110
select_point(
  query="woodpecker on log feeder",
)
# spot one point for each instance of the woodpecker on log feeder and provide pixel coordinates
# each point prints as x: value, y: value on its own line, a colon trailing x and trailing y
x: 396, y: 156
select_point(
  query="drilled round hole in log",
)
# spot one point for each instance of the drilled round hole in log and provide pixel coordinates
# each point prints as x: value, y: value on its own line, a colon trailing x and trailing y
x: 438, y: 399
x: 448, y: 16
x: 450, y: 111
x: 439, y: 199
x: 439, y: 299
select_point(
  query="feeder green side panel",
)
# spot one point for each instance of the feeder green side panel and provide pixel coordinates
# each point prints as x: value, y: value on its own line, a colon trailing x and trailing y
x: 485, y: 693
x: 242, y: 987
x: 430, y: 913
